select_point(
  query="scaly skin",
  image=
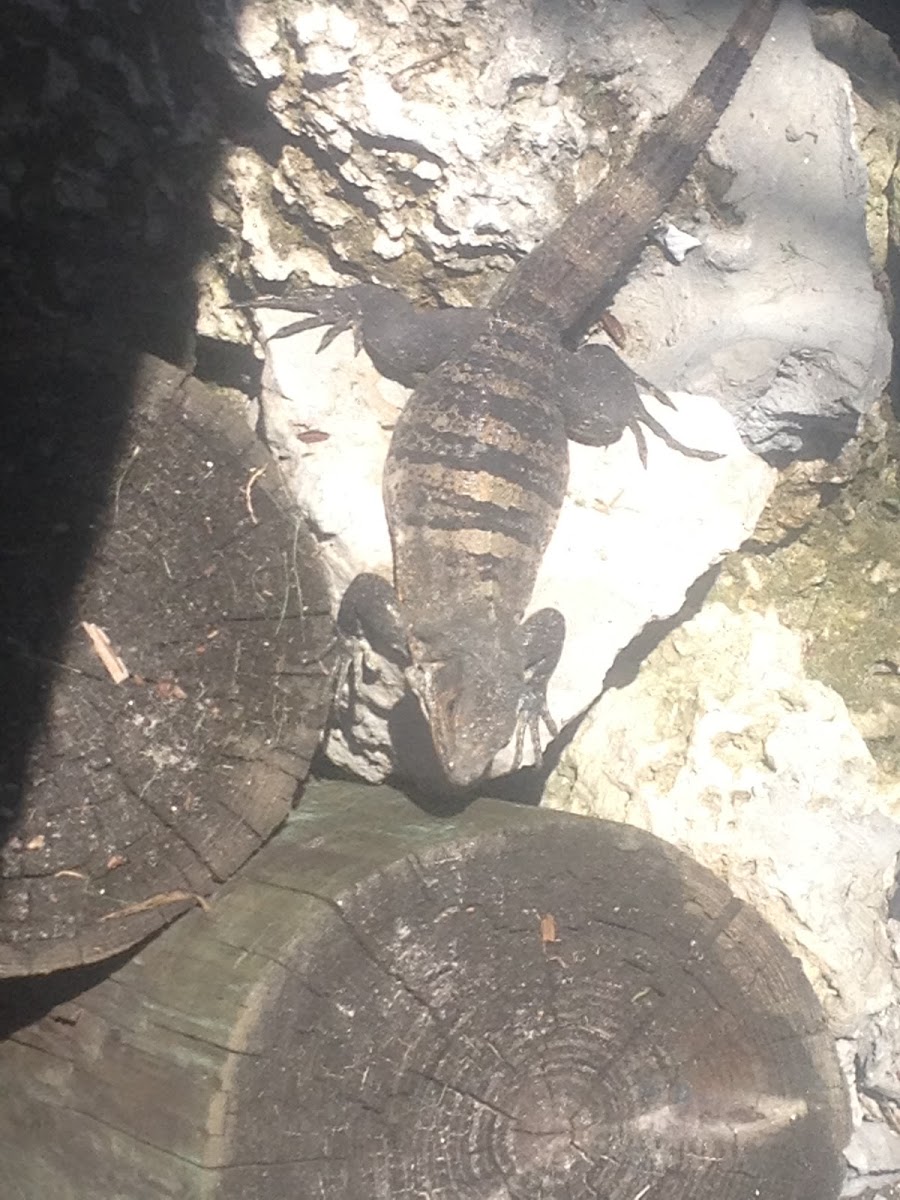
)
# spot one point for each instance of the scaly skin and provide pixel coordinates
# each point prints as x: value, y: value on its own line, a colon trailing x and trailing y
x: 478, y: 464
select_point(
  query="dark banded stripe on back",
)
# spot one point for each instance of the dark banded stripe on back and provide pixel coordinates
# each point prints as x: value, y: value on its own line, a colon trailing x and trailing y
x: 449, y: 453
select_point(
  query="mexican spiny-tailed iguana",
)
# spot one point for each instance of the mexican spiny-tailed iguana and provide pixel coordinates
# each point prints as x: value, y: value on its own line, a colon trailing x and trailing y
x: 478, y: 463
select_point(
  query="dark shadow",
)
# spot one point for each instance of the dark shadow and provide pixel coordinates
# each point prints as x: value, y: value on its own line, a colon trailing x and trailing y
x: 110, y: 126
x: 879, y: 86
x: 30, y: 998
x: 627, y: 664
x: 883, y: 14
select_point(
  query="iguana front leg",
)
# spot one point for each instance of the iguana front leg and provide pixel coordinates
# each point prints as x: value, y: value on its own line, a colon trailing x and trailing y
x: 370, y: 609
x: 478, y: 688
x: 404, y: 342
x: 597, y: 392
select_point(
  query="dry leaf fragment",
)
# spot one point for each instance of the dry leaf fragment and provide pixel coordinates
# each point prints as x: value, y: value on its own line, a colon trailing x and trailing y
x: 548, y: 929
x: 115, y: 861
x: 613, y: 326
x: 168, y: 689
x: 158, y: 901
x: 102, y: 647
x: 306, y: 434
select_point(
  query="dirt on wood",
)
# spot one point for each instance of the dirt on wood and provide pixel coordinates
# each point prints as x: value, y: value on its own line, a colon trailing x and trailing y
x: 504, y: 1002
x: 165, y: 623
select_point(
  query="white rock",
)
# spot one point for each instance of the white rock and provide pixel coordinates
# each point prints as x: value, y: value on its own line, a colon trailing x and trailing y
x: 258, y: 34
x: 723, y: 747
x: 676, y: 242
x: 329, y: 38
x: 387, y: 247
x: 874, y: 1156
x: 803, y: 187
x: 879, y: 1057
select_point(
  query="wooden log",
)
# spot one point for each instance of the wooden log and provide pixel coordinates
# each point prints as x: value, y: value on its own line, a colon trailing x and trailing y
x: 185, y: 698
x: 506, y: 1003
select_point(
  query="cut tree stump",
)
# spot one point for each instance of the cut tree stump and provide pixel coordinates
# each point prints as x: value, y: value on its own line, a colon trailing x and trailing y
x: 506, y: 1004
x: 185, y: 696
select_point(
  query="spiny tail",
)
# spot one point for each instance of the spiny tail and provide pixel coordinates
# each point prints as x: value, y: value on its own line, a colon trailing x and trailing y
x: 562, y: 277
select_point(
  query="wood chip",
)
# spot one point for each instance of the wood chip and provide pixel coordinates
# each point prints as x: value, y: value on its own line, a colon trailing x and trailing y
x: 614, y: 328
x: 102, y: 647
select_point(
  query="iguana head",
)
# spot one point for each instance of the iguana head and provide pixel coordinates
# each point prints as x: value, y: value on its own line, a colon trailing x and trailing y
x: 471, y: 704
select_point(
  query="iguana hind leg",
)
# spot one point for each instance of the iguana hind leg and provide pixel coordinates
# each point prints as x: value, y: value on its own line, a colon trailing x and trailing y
x: 368, y: 611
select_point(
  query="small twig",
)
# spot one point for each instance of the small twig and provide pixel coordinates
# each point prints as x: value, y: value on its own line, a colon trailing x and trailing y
x: 248, y: 487
x: 419, y: 65
x: 292, y: 580
x: 134, y: 453
x: 158, y: 901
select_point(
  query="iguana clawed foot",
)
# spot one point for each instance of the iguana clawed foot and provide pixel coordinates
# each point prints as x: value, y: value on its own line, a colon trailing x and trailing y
x: 341, y: 308
x: 642, y: 417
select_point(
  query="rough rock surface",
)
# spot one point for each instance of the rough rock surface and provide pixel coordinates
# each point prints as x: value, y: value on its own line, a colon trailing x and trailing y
x: 869, y: 57
x: 836, y: 573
